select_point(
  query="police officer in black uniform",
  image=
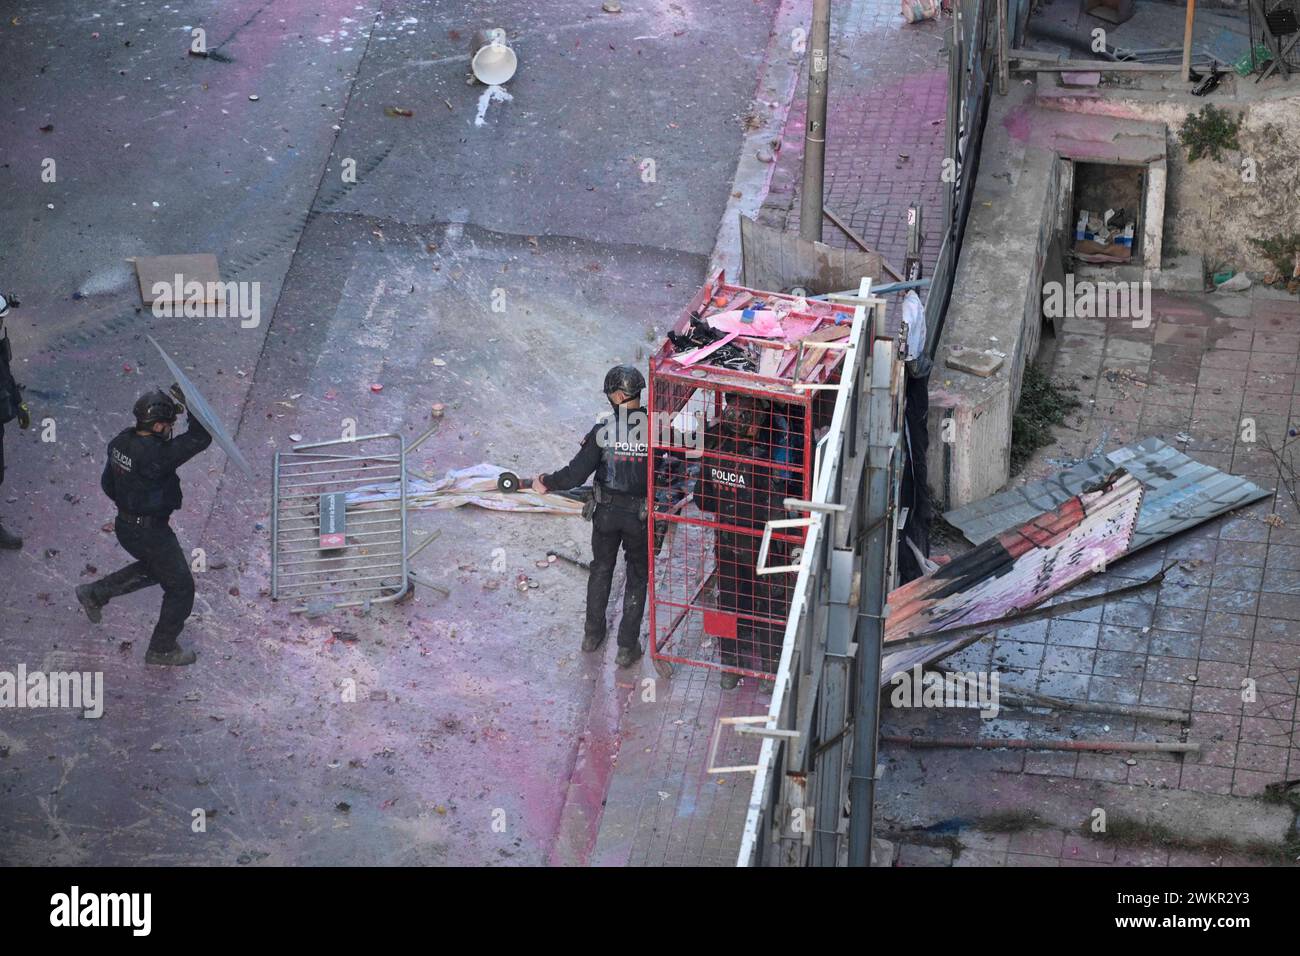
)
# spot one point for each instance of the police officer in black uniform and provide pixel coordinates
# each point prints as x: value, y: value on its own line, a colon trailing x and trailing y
x: 616, y: 450
x: 140, y: 477
x: 743, y: 495
x: 11, y: 407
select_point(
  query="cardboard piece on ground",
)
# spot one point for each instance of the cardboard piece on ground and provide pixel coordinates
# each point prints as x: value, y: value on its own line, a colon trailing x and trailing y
x: 1089, y: 251
x: 195, y: 267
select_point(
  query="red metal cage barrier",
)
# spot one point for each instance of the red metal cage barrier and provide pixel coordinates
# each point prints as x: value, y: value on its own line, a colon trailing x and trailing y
x: 729, y: 445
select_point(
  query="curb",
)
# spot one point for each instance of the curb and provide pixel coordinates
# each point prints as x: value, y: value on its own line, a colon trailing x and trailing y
x: 776, y: 88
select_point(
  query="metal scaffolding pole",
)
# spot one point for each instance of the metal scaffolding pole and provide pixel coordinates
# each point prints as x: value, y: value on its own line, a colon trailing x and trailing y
x: 882, y: 441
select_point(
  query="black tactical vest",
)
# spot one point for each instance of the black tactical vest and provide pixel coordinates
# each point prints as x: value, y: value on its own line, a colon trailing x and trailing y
x: 624, y: 441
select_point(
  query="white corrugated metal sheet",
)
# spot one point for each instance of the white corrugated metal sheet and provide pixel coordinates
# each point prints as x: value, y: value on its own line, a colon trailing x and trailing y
x: 1180, y: 494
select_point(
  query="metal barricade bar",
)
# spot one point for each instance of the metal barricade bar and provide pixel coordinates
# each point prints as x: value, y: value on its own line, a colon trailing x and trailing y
x: 368, y: 563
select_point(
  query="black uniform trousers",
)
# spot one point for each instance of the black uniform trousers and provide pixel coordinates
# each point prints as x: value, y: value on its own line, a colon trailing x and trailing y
x: 159, y: 560
x: 611, y: 526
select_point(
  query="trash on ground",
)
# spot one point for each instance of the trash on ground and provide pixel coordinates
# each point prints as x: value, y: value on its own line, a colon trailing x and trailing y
x: 1238, y: 283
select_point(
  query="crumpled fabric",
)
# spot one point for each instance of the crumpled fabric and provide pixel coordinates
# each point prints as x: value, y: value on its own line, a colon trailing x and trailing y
x: 914, y: 324
x: 475, y: 485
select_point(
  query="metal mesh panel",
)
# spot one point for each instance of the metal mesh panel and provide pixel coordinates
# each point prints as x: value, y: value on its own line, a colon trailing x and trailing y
x: 365, y: 560
x: 750, y: 451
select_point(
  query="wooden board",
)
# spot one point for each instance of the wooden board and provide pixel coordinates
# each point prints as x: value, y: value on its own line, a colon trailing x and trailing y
x: 812, y: 354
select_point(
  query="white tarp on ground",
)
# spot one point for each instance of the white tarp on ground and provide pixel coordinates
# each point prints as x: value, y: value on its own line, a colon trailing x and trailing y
x: 475, y: 485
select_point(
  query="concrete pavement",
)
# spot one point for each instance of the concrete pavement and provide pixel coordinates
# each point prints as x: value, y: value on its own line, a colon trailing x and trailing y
x: 466, y: 730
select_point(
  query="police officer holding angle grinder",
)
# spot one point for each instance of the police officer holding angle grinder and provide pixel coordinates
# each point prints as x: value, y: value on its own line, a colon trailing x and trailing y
x: 616, y: 450
x: 140, y: 477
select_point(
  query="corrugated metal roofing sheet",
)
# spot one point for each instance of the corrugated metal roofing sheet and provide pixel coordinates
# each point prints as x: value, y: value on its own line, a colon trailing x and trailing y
x: 1180, y: 494
x: 1018, y: 569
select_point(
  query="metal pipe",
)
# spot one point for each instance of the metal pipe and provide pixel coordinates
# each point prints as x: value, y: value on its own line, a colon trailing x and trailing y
x: 429, y: 539
x: 335, y: 481
x: 877, y: 534
x: 1187, y: 41
x: 364, y: 567
x: 870, y: 636
x: 878, y: 290
x: 275, y: 527
x: 814, y: 137
x: 1103, y: 746
x: 346, y: 441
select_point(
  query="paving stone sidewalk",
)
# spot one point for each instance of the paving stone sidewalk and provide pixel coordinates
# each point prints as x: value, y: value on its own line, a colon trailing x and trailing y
x: 888, y: 93
x: 1216, y: 375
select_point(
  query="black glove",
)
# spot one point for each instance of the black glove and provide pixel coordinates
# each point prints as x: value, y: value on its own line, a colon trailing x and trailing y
x: 24, y: 416
x: 179, y: 396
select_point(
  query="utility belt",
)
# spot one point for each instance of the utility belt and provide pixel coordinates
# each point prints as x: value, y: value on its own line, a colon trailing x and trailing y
x: 618, y: 500
x: 143, y: 521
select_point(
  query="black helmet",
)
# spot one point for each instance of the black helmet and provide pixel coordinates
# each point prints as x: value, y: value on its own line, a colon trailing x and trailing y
x: 155, y: 406
x: 625, y: 378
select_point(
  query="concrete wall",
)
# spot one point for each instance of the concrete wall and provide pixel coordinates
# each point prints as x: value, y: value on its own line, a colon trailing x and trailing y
x: 996, y: 302
x: 1211, y: 210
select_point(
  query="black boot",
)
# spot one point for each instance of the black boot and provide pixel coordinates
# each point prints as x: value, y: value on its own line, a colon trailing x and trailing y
x: 8, y: 541
x: 591, y: 640
x: 627, y: 656
x: 86, y: 598
x: 176, y: 657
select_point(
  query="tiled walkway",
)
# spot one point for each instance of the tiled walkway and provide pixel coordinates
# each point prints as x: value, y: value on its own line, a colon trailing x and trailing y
x: 888, y: 91
x: 1221, y: 636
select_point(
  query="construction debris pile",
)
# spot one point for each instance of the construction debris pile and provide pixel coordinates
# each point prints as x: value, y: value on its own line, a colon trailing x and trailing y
x: 768, y: 335
x: 1035, y: 542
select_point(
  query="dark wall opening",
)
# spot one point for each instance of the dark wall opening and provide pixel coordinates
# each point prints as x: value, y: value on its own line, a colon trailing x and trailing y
x: 1103, y: 187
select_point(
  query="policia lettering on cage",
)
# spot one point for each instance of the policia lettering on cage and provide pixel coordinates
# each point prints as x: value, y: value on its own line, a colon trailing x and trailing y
x: 140, y: 477
x: 616, y: 451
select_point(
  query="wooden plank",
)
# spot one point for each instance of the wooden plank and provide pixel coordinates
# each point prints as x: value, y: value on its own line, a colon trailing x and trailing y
x: 861, y: 243
x: 769, y: 362
x: 1031, y: 61
x: 812, y: 354
x: 1187, y: 40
